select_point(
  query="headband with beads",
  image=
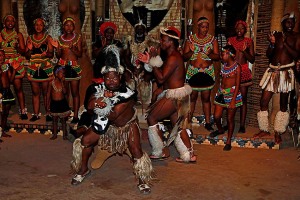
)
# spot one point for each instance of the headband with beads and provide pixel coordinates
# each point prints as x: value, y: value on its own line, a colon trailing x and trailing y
x: 202, y: 21
x: 39, y: 19
x: 227, y: 51
x: 69, y: 19
x: 7, y: 17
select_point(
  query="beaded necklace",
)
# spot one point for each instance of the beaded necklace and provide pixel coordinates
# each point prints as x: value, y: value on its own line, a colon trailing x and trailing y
x: 201, y: 41
x: 9, y: 36
x: 55, y: 88
x: 228, y: 71
x: 37, y: 42
x: 66, y: 42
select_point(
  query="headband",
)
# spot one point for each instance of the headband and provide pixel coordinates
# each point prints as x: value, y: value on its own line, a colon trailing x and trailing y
x: 241, y: 22
x: 58, y: 69
x: 170, y: 28
x: 7, y: 17
x: 202, y: 21
x: 227, y: 51
x: 39, y: 19
x: 69, y: 19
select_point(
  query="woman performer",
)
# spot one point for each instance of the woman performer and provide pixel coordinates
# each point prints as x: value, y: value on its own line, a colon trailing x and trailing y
x: 200, y: 50
x: 39, y: 49
x: 12, y: 42
x: 244, y: 53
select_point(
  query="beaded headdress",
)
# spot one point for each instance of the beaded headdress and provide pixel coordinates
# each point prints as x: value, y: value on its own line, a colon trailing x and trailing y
x: 241, y: 22
x: 112, y: 60
x: 170, y: 28
x: 7, y: 17
x: 107, y: 25
x: 202, y: 21
x: 229, y: 52
x: 39, y: 19
x: 69, y: 19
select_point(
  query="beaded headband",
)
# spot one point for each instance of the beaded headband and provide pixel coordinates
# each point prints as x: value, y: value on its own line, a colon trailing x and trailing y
x: 202, y: 21
x: 58, y: 69
x: 39, y: 19
x: 227, y: 51
x: 171, y: 28
x: 69, y: 19
x: 7, y: 17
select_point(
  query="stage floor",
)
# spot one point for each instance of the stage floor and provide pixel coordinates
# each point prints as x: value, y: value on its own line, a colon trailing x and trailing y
x: 200, y: 134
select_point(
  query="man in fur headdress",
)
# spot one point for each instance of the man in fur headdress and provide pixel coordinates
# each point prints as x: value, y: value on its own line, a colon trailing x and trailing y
x: 172, y: 102
x: 279, y: 77
x: 137, y: 75
x: 114, y: 126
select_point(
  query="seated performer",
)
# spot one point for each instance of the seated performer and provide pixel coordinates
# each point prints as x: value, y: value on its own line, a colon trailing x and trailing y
x: 228, y: 95
x: 7, y: 98
x: 174, y: 100
x: 279, y: 77
x: 114, y: 126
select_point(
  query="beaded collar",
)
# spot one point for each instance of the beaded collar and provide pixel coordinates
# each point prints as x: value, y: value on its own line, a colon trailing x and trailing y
x: 228, y: 71
x: 38, y: 42
x: 201, y: 41
x: 239, y: 44
x: 66, y: 42
x: 9, y: 36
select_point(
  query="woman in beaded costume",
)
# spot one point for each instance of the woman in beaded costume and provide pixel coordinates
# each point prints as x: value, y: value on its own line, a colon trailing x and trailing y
x: 69, y: 50
x: 244, y: 53
x: 228, y: 96
x: 39, y: 50
x: 200, y: 50
x: 7, y: 75
x: 12, y: 42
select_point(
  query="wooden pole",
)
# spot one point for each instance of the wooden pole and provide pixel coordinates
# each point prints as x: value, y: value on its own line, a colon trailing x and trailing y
x: 5, y: 8
x: 99, y: 8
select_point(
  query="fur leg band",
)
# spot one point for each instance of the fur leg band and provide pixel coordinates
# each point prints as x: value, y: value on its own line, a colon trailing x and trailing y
x: 184, y: 152
x: 77, y: 155
x: 142, y: 168
x: 263, y: 120
x: 155, y: 141
x: 281, y: 122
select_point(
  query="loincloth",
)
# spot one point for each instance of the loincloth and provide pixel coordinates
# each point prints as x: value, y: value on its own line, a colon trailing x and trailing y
x: 246, y: 75
x: 40, y: 69
x: 181, y: 100
x: 73, y: 69
x: 278, y: 79
x: 201, y: 79
x: 60, y: 108
x: 115, y: 139
x: 224, y: 97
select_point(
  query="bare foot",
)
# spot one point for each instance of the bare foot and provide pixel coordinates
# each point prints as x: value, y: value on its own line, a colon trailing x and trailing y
x: 5, y: 135
x: 53, y: 137
x: 261, y: 134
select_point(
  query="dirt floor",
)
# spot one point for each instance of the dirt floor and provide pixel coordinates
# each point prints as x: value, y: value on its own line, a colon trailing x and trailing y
x: 34, y: 167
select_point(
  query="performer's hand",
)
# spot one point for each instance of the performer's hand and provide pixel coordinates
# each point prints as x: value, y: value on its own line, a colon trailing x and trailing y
x: 271, y: 37
x: 108, y: 93
x: 29, y: 44
x: 192, y: 46
x: 15, y: 64
x: 144, y: 57
x: 100, y: 104
x: 54, y: 43
x: 209, y: 51
x: 153, y: 51
x: 231, y: 105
